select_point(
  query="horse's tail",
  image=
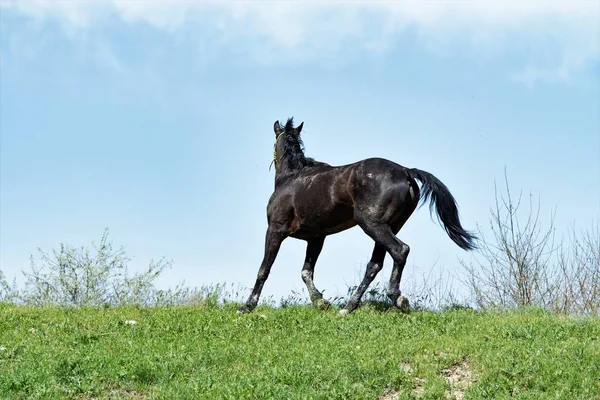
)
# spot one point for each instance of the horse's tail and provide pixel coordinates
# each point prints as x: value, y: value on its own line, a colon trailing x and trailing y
x: 445, y: 206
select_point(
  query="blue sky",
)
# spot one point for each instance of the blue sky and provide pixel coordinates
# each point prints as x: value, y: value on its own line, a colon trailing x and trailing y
x: 155, y: 120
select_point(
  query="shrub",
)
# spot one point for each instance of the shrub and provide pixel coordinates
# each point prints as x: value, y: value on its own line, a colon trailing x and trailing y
x: 83, y: 276
x: 7, y: 292
x: 521, y: 265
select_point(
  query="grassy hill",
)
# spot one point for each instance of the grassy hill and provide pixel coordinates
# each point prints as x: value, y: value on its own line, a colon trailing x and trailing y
x: 297, y: 352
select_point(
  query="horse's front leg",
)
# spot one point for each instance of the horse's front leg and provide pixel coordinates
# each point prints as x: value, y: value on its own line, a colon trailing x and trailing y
x: 273, y: 239
x: 313, y: 249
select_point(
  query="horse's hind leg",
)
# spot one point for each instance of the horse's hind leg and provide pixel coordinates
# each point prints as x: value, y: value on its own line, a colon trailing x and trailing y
x: 313, y: 249
x: 373, y: 268
x: 385, y: 240
x: 393, y: 289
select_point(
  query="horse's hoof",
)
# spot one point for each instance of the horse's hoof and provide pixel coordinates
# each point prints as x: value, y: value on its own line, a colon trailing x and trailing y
x: 403, y: 304
x: 243, y: 310
x: 344, y: 312
x: 322, y: 304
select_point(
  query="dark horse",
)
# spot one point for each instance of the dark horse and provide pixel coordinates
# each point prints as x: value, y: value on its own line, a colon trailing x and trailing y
x: 313, y: 199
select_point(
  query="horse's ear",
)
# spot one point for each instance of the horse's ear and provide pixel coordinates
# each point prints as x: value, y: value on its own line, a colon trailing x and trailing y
x: 277, y: 128
x: 299, y: 127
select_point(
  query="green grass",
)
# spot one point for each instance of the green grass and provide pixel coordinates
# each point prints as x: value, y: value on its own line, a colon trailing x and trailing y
x: 210, y: 352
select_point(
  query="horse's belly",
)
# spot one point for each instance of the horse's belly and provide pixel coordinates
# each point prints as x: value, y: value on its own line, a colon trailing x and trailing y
x: 320, y: 223
x: 340, y: 227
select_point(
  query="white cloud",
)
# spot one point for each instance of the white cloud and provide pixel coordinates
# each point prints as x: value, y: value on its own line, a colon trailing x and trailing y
x: 556, y: 39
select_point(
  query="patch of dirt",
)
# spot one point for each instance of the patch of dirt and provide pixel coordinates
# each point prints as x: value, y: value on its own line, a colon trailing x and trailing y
x: 418, y: 391
x: 460, y: 377
x: 390, y: 396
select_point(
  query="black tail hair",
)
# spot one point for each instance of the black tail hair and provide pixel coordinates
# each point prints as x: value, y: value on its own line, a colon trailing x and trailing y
x: 445, y: 205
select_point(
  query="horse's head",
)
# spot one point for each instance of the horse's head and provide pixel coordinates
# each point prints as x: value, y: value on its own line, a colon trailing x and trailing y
x: 288, y: 144
x: 288, y: 128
